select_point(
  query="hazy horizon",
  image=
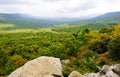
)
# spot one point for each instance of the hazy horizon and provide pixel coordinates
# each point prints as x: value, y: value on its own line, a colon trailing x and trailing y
x: 60, y: 8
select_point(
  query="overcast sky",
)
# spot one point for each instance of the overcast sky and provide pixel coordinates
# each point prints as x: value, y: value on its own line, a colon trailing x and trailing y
x: 60, y: 8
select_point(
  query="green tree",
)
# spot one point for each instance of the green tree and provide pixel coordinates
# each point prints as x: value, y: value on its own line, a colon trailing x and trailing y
x: 114, y: 49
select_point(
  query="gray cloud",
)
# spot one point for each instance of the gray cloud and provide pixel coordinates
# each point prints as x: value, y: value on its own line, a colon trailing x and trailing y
x: 53, y: 0
x: 85, y: 6
x: 9, y: 2
x: 112, y: 1
x: 54, y: 8
x: 9, y: 9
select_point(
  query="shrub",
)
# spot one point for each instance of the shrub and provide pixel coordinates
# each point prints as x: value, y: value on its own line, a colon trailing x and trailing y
x: 88, y: 53
x: 101, y: 62
x: 13, y: 63
x: 114, y: 49
x: 84, y: 65
x: 100, y: 46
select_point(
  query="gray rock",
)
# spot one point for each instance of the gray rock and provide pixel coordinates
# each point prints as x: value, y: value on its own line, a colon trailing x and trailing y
x: 104, y: 70
x: 75, y: 74
x: 40, y: 67
x: 110, y: 71
x: 95, y: 75
x: 111, y: 74
x: 107, y: 71
x: 91, y: 75
x: 65, y: 61
x: 116, y: 69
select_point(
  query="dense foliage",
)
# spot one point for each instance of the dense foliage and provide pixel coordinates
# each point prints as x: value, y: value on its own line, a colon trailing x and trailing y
x: 86, y: 46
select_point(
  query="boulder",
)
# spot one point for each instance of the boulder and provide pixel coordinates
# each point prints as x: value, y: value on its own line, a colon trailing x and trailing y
x: 91, y: 75
x: 40, y: 67
x: 75, y: 74
x: 116, y: 69
x: 64, y: 62
x: 107, y: 71
x: 111, y: 74
x: 110, y: 71
x: 104, y: 70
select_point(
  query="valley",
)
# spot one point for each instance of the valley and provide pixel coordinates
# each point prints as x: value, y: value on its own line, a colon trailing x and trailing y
x: 86, y: 43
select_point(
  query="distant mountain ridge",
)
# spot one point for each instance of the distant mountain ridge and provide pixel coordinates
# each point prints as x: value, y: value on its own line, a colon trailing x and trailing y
x: 23, y: 20
x: 109, y: 16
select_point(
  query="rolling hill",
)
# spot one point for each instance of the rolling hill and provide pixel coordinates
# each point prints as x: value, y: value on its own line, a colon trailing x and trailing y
x: 111, y: 18
x: 27, y: 21
x: 22, y: 20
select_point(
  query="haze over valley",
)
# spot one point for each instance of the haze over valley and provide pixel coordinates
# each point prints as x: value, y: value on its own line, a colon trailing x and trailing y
x: 83, y: 35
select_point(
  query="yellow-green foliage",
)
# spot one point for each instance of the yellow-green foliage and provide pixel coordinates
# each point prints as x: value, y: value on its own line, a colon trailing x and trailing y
x: 83, y: 46
x: 115, y: 31
x: 43, y: 30
x: 6, y: 25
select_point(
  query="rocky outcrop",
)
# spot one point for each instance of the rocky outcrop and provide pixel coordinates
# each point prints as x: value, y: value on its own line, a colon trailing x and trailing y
x: 75, y: 74
x: 52, y: 67
x: 116, y: 69
x: 107, y: 71
x: 40, y: 67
